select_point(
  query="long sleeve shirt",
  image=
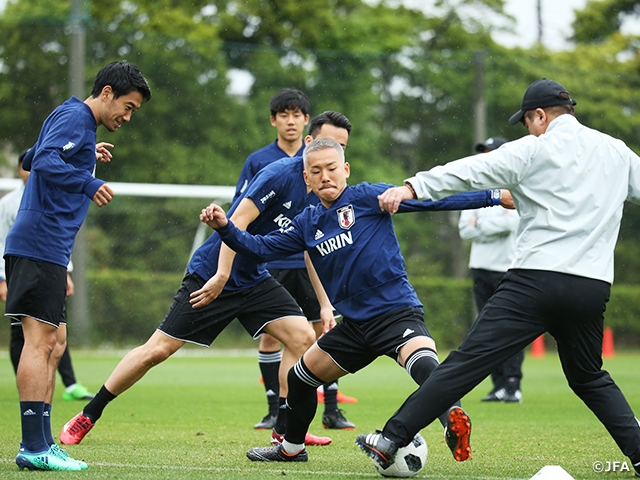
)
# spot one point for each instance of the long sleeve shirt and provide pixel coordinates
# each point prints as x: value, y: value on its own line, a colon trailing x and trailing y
x: 60, y: 187
x: 492, y: 232
x: 569, y: 186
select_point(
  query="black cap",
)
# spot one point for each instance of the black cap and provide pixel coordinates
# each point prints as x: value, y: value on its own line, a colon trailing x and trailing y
x: 490, y: 143
x: 541, y: 94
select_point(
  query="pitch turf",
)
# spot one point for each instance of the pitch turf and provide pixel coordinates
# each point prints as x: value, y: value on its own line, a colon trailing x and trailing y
x: 192, y: 418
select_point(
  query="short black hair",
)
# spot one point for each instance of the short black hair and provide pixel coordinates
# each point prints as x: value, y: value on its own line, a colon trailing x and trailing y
x: 289, y: 99
x: 21, y: 157
x: 123, y: 78
x: 330, y: 117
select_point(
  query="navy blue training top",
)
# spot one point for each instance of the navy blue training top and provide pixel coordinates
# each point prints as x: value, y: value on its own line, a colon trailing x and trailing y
x: 280, y: 193
x: 254, y: 164
x: 353, y: 248
x: 60, y: 187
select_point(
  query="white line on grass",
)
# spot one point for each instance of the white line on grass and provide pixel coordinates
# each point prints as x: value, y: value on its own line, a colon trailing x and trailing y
x: 324, y: 474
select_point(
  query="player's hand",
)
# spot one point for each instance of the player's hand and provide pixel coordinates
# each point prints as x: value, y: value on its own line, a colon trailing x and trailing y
x: 506, y: 200
x: 3, y: 290
x: 214, y: 216
x: 209, y: 292
x: 71, y: 287
x: 103, y: 196
x: 328, y: 319
x: 102, y: 154
x: 390, y: 200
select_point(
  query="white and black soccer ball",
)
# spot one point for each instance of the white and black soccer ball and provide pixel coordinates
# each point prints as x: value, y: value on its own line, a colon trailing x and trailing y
x: 409, y: 460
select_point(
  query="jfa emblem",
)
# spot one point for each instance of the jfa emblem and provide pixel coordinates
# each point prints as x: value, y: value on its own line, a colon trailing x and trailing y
x: 346, y: 217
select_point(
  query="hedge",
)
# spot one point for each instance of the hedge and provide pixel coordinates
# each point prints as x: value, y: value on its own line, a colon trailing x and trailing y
x: 127, y: 306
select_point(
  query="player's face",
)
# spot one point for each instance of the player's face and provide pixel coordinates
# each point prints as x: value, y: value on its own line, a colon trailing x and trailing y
x: 326, y: 174
x: 290, y: 124
x: 117, y: 111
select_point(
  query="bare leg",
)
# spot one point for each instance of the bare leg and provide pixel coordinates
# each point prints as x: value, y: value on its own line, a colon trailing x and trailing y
x: 140, y: 360
x: 297, y: 336
x: 33, y: 376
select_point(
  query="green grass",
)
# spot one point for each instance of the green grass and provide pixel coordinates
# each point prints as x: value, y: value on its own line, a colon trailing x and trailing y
x: 192, y: 418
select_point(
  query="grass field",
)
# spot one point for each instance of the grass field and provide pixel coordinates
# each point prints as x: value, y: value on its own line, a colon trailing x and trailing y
x: 192, y: 418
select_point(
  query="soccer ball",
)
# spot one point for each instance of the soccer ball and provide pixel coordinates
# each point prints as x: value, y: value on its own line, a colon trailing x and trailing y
x: 409, y: 460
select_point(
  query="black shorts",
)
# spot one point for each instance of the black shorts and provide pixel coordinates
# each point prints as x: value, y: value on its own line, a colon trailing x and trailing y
x: 353, y: 346
x: 254, y: 307
x: 35, y: 289
x: 298, y: 284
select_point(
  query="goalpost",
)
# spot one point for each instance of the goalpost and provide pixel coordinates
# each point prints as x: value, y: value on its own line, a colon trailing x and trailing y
x: 79, y: 307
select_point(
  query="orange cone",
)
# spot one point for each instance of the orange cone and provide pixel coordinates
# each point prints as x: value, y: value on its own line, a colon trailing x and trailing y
x: 608, y: 350
x: 537, y: 347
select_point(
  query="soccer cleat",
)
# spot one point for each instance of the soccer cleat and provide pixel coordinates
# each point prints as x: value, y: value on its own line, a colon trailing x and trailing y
x: 378, y: 447
x: 75, y: 429
x: 276, y: 453
x: 45, y: 460
x: 335, y: 420
x: 267, y: 423
x: 79, y: 392
x: 60, y: 453
x: 457, y: 433
x: 512, y: 397
x: 309, y: 439
x: 496, y: 395
x: 340, y: 397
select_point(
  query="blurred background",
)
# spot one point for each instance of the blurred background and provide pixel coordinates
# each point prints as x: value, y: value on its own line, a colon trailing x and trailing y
x: 421, y: 81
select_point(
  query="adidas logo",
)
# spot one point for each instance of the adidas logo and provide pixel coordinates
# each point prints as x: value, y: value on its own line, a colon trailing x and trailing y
x: 28, y: 413
x: 44, y: 414
x: 287, y: 205
x: 407, y: 332
x: 318, y: 235
x: 68, y: 146
x: 270, y: 393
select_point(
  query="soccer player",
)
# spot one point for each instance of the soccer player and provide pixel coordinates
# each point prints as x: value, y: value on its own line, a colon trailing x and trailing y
x: 492, y: 232
x: 356, y: 254
x: 569, y: 183
x: 289, y: 115
x: 219, y: 287
x: 9, y: 205
x: 39, y: 245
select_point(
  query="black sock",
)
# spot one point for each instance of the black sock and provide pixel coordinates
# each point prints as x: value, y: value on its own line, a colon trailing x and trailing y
x: 302, y: 402
x: 420, y: 364
x: 281, y: 420
x: 330, y: 396
x: 65, y: 369
x: 269, y: 363
x: 93, y: 410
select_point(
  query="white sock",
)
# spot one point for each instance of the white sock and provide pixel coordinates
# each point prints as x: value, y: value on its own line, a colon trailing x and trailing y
x: 70, y: 387
x: 292, y: 448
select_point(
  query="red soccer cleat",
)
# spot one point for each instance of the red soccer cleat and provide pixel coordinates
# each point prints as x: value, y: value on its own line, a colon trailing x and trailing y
x: 341, y: 397
x: 309, y: 439
x: 75, y: 430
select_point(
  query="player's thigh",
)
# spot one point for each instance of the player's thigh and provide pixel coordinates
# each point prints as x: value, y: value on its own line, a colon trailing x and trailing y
x: 322, y: 365
x: 414, y: 344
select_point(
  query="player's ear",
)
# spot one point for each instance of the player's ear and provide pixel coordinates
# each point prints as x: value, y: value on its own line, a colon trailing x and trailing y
x: 347, y: 169
x: 106, y: 93
x: 308, y: 139
x: 304, y: 174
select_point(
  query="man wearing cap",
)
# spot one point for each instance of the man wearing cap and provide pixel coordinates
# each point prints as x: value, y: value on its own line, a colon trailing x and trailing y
x: 569, y: 184
x: 492, y: 232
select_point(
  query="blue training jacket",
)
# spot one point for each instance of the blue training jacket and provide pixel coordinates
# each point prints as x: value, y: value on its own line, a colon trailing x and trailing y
x: 60, y: 187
